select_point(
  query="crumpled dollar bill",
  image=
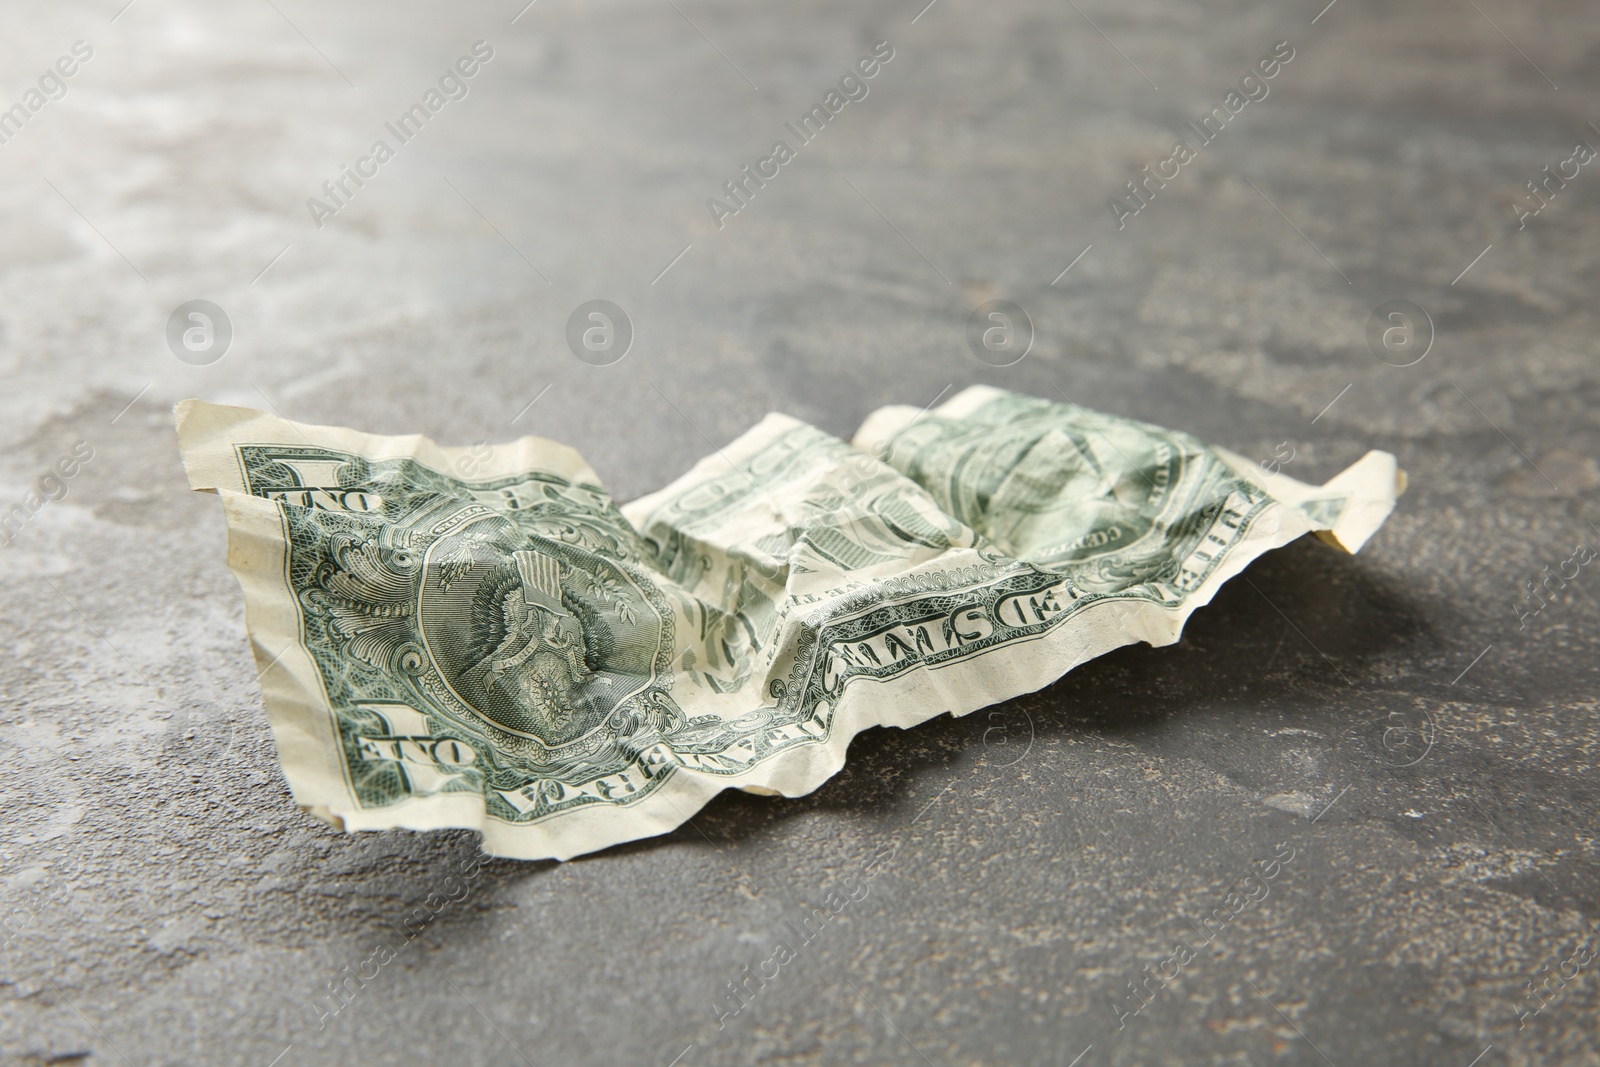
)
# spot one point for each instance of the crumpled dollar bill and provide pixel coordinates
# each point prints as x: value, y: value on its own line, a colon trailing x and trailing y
x: 453, y: 637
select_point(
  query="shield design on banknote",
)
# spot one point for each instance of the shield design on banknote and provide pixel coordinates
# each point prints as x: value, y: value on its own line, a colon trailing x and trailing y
x: 538, y: 637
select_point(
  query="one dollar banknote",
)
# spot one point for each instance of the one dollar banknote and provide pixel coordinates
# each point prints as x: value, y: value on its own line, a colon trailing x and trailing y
x: 482, y: 638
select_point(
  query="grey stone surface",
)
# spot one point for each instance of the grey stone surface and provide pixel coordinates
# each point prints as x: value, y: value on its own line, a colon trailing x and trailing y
x: 166, y: 904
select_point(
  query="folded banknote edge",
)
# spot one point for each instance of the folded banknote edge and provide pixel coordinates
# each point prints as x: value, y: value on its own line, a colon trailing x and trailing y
x: 208, y: 434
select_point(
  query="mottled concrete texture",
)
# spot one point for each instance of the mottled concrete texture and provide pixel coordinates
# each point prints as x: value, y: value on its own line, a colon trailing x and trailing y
x: 165, y: 903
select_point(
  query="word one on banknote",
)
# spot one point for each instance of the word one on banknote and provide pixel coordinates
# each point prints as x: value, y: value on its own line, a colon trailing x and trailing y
x: 481, y: 637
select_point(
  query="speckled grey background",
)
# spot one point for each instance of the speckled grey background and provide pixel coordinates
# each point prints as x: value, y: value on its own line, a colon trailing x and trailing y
x: 164, y: 902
